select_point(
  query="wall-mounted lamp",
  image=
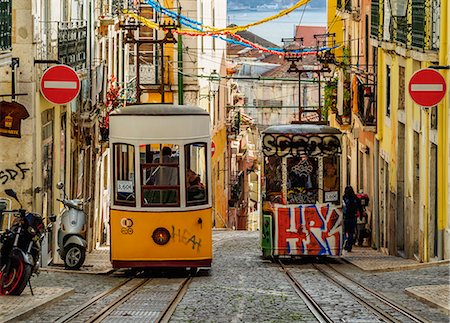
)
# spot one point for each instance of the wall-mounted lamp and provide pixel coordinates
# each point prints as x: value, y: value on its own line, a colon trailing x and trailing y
x: 399, y: 8
x: 214, y: 79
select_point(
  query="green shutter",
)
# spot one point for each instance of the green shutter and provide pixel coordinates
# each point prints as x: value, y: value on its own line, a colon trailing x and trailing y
x: 5, y: 24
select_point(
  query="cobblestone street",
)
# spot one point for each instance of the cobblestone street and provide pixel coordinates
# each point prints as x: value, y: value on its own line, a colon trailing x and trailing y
x: 242, y: 287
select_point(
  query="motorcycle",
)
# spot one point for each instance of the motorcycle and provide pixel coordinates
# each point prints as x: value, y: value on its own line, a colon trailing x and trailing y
x: 21, y: 248
x: 71, y: 243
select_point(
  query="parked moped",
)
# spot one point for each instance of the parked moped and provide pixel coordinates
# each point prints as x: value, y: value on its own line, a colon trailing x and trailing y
x: 20, y: 248
x: 71, y: 242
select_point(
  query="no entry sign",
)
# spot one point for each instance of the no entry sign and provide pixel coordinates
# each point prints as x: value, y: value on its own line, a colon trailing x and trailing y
x: 427, y: 87
x: 213, y: 148
x: 60, y: 84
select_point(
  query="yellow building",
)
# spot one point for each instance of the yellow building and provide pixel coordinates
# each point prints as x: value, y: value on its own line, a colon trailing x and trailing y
x: 412, y: 154
x: 355, y: 111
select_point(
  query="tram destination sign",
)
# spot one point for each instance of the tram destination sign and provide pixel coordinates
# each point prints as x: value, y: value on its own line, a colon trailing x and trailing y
x: 427, y: 87
x: 282, y: 145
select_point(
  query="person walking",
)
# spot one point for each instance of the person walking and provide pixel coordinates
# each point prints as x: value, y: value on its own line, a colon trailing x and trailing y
x: 352, y: 205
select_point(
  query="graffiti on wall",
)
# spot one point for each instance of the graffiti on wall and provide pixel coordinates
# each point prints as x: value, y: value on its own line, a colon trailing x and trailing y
x: 11, y: 174
x: 297, y: 145
x: 308, y: 230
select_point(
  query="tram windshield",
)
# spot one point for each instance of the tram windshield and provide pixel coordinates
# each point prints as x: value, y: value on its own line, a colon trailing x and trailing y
x: 160, y: 175
x: 308, y: 180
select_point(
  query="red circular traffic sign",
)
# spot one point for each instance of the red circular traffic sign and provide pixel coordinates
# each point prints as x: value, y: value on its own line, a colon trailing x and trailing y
x: 427, y: 87
x: 60, y: 84
x: 213, y: 148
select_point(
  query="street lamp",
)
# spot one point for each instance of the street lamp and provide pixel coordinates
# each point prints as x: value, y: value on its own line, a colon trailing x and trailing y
x: 398, y: 8
x: 214, y: 80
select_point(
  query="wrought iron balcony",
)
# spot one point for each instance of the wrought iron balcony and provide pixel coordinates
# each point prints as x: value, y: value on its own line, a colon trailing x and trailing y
x: 64, y: 42
x: 5, y: 24
x: 72, y: 37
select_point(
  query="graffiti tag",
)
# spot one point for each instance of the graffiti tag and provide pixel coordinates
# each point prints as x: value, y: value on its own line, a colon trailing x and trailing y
x: 296, y: 145
x: 308, y: 230
x: 10, y: 174
x: 187, y: 238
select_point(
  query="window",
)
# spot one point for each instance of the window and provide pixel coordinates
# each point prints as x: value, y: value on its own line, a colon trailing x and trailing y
x: 401, y: 88
x: 302, y: 182
x: 160, y: 175
x: 196, y: 177
x: 273, y: 179
x: 124, y: 175
x: 331, y: 179
x: 388, y: 91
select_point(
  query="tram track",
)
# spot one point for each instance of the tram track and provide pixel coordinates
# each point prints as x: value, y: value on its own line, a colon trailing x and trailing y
x: 313, y: 306
x: 377, y: 304
x: 161, y: 295
x: 100, y: 307
x: 381, y: 306
x: 81, y: 313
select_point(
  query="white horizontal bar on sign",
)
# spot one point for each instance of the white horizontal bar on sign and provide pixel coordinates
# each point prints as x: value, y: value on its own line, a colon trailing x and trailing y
x: 427, y: 87
x: 60, y: 85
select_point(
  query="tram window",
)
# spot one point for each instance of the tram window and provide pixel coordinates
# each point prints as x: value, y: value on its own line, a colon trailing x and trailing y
x: 160, y: 174
x: 196, y: 176
x: 331, y: 179
x: 124, y: 175
x: 302, y: 183
x: 273, y: 179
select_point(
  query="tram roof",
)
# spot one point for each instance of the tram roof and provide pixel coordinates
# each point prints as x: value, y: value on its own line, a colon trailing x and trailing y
x: 159, y: 110
x: 301, y: 129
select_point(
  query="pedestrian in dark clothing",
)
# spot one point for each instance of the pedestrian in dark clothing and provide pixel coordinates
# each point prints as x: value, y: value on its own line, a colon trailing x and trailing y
x: 352, y: 205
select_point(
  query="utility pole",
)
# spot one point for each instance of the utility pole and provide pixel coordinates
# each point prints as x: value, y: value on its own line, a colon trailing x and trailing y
x: 180, y: 61
x: 131, y: 25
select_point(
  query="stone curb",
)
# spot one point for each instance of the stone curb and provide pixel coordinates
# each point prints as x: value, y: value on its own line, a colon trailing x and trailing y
x: 27, y: 310
x: 425, y: 294
x: 361, y: 264
x: 83, y: 272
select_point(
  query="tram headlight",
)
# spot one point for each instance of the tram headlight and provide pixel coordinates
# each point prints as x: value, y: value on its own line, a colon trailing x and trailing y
x: 161, y: 236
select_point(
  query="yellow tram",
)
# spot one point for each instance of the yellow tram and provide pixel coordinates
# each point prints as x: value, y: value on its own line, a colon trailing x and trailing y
x: 161, y: 210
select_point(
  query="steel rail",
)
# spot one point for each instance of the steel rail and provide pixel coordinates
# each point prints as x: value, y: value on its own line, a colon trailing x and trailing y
x: 170, y: 308
x: 393, y: 305
x: 312, y: 305
x: 117, y: 302
x: 83, y: 307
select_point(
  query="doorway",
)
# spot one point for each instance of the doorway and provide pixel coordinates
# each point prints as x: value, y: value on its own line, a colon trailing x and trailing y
x: 400, y: 212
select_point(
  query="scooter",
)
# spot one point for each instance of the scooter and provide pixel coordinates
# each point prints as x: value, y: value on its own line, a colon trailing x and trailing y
x: 71, y: 242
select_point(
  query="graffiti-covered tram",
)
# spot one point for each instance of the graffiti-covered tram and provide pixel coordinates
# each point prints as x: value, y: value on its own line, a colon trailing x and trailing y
x: 301, y: 191
x: 161, y: 211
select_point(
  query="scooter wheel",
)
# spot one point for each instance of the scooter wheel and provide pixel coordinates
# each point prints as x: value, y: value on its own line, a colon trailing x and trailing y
x: 74, y: 256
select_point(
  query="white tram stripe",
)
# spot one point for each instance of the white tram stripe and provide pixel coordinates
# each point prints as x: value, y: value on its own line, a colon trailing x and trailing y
x: 60, y: 85
x: 427, y: 87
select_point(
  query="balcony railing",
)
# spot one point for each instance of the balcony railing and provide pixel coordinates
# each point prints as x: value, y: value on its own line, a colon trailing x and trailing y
x: 64, y: 42
x: 72, y: 37
x: 5, y: 24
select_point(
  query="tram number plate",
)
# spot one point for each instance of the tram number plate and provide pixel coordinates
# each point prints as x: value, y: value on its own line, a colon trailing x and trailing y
x: 331, y: 196
x: 125, y: 186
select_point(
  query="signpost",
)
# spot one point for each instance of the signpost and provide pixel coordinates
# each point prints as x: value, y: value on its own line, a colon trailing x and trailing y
x: 60, y: 84
x: 427, y: 87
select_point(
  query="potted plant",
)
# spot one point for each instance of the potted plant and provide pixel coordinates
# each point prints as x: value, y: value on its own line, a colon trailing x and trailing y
x: 330, y: 97
x: 111, y: 103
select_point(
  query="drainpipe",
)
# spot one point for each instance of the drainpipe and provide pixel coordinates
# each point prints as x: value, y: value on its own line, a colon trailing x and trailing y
x: 180, y: 62
x: 376, y: 200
